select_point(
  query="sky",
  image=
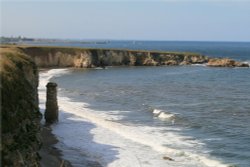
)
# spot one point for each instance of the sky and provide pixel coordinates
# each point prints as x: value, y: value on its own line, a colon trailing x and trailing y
x: 180, y: 20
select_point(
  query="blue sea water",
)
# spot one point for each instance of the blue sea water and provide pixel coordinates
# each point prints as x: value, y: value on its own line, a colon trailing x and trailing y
x: 206, y: 110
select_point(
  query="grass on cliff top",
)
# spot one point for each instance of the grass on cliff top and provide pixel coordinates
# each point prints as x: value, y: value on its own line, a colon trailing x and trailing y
x: 5, y: 62
x: 74, y: 49
x: 10, y: 57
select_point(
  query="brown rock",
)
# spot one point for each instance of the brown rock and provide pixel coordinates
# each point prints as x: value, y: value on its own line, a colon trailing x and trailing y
x: 194, y: 59
x: 168, y: 158
x: 185, y: 63
x: 225, y: 62
x: 171, y: 63
x: 150, y: 62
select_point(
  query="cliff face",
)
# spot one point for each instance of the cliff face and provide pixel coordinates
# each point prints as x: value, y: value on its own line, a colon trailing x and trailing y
x: 87, y: 58
x: 20, y: 115
x: 77, y: 57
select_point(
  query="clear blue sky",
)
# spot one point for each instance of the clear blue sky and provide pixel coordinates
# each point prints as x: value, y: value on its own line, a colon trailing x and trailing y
x: 202, y: 20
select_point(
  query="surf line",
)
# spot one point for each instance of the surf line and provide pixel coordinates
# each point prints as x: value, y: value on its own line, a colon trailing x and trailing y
x: 79, y: 109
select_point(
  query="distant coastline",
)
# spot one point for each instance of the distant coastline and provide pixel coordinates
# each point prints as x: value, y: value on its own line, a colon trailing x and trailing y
x: 61, y: 57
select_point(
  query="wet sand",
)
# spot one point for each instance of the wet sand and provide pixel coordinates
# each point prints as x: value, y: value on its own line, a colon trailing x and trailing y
x: 50, y: 155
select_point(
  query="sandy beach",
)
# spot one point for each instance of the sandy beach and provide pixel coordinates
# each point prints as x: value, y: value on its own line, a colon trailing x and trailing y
x: 50, y: 155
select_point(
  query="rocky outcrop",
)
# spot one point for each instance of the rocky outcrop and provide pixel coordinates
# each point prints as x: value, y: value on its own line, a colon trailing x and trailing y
x: 20, y: 121
x: 51, y: 112
x: 225, y: 62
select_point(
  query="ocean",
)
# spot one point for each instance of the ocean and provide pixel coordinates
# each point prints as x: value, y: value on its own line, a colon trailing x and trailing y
x: 135, y: 116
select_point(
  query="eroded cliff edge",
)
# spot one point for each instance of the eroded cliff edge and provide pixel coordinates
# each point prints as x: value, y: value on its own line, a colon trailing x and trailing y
x: 20, y: 117
x: 77, y: 57
x: 87, y: 58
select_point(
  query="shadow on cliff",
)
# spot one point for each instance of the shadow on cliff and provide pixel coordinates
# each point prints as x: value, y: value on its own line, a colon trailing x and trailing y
x: 76, y: 140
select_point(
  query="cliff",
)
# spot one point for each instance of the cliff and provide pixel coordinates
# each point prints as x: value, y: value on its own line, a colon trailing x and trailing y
x: 86, y: 58
x: 55, y: 57
x: 20, y: 118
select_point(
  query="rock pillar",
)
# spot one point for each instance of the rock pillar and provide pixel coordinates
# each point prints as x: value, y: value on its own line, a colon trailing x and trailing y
x: 51, y: 112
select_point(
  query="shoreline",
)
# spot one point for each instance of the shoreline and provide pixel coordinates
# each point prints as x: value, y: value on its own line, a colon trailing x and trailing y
x: 50, y: 155
x: 117, y: 153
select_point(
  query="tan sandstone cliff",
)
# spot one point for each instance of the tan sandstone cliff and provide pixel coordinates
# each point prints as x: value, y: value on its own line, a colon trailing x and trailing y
x: 87, y: 58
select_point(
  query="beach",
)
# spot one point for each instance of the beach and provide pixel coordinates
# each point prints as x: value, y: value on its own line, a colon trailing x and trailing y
x: 50, y: 156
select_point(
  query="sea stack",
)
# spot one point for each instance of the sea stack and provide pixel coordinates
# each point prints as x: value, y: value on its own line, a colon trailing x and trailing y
x: 51, y: 112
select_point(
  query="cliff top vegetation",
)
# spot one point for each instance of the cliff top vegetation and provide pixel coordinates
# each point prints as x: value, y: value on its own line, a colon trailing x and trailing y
x: 75, y: 49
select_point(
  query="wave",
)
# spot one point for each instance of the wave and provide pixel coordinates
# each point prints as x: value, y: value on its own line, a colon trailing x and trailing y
x: 138, y: 135
x: 164, y: 115
x: 46, y: 76
x: 137, y: 146
x: 156, y: 111
x: 199, y: 64
x: 100, y: 68
x: 247, y: 62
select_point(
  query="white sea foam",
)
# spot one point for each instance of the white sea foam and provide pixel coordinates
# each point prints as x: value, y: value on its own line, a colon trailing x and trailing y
x: 163, y: 114
x: 85, y: 131
x: 100, y: 68
x: 156, y: 111
x: 247, y: 62
x: 198, y: 64
x: 46, y: 76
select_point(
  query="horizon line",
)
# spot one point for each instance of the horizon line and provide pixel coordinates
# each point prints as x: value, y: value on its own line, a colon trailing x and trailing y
x: 110, y: 39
